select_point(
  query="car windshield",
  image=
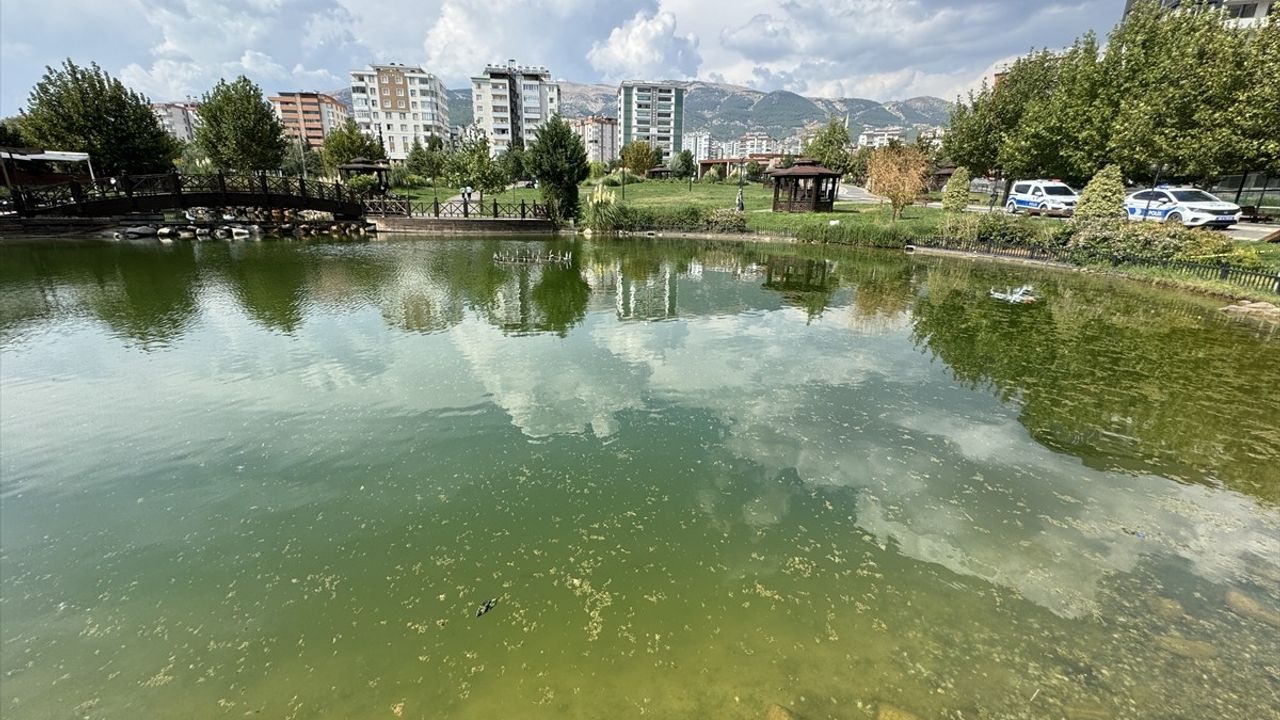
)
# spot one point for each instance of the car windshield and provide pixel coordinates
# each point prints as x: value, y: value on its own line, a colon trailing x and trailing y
x: 1059, y: 190
x: 1192, y: 196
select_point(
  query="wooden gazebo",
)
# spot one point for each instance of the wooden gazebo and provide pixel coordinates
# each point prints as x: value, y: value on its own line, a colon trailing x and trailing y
x: 806, y: 186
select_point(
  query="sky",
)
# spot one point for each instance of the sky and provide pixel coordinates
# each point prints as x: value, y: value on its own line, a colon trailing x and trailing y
x: 878, y: 49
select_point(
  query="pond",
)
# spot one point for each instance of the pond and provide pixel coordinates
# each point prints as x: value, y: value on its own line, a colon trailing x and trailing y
x: 278, y: 479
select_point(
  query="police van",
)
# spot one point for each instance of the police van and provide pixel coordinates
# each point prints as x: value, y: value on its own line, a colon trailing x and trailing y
x: 1042, y: 197
x: 1189, y: 206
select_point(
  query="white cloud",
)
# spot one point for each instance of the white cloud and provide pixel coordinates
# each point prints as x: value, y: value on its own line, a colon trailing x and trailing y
x: 646, y: 47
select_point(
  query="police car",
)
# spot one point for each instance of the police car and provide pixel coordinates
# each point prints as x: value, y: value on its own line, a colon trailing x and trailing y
x: 1187, y: 205
x: 1042, y: 197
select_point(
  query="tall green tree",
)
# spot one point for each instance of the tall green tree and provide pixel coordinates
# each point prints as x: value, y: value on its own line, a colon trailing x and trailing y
x: 302, y: 160
x: 973, y: 139
x: 238, y: 129
x: 558, y: 160
x: 346, y: 143
x: 11, y: 133
x: 1254, y: 116
x: 83, y: 109
x: 514, y: 161
x: 1178, y: 78
x: 830, y: 146
x: 955, y: 196
x: 1103, y: 198
x: 683, y: 166
x: 639, y: 157
x: 471, y: 165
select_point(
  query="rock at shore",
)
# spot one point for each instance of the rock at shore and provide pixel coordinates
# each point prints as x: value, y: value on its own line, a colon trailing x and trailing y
x: 1248, y: 607
x: 1166, y: 608
x: 777, y: 712
x: 1261, y: 310
x: 889, y: 712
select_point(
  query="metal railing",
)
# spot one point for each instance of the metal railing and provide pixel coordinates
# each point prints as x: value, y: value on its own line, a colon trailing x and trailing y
x: 1242, y: 277
x: 455, y: 209
x: 231, y: 186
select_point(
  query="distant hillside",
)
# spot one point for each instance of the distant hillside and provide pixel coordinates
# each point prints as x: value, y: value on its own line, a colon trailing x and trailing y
x: 727, y: 111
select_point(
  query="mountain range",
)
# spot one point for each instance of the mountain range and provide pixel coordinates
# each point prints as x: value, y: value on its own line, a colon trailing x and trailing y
x: 727, y: 111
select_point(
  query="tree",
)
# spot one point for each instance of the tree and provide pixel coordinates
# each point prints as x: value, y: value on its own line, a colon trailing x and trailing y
x: 346, y: 143
x: 830, y: 146
x: 857, y: 171
x: 955, y: 196
x: 471, y: 165
x: 754, y: 171
x: 638, y: 157
x: 11, y: 133
x: 302, y: 160
x: 1103, y: 197
x: 683, y: 166
x: 513, y: 161
x: 238, y: 129
x: 897, y: 173
x: 1254, y: 115
x: 558, y: 160
x: 86, y: 110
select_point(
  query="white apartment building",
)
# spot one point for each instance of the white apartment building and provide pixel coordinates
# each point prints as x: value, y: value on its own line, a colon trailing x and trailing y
x: 1241, y: 12
x: 512, y: 101
x: 599, y: 136
x: 654, y: 113
x: 757, y: 142
x: 179, y: 119
x: 398, y: 104
x: 879, y: 137
x: 701, y: 144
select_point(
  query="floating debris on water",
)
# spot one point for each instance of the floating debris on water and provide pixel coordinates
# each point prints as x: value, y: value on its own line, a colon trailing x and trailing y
x: 486, y: 607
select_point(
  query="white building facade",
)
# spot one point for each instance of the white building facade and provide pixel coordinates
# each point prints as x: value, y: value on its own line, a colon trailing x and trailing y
x: 654, y: 113
x: 179, y: 119
x: 701, y: 144
x: 599, y: 136
x: 512, y: 101
x: 398, y: 104
x: 879, y: 138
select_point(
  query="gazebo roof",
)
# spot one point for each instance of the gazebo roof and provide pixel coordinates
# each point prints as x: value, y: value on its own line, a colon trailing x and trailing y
x: 805, y: 168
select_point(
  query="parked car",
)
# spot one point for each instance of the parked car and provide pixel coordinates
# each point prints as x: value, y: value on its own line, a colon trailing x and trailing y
x: 1042, y: 197
x: 1189, y: 206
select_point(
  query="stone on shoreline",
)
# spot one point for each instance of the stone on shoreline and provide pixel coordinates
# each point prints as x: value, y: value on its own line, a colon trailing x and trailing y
x: 1261, y: 310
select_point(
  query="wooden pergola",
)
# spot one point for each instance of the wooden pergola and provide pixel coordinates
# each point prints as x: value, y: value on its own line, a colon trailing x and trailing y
x: 806, y: 186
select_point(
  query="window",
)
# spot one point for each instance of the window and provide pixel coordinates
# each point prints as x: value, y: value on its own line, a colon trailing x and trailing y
x: 1193, y: 196
x: 400, y: 92
x: 400, y: 103
x: 1146, y: 195
x: 413, y: 105
x: 375, y: 116
x: 386, y: 90
x: 403, y: 116
x: 404, y: 128
x: 1243, y: 10
x: 1022, y: 188
x: 413, y: 93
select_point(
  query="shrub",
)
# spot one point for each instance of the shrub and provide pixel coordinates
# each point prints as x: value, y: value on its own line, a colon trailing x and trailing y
x: 1103, y: 197
x: 955, y: 196
x: 960, y: 227
x: 401, y: 177
x: 601, y: 214
x: 711, y: 177
x: 863, y: 234
x: 999, y: 229
x: 726, y: 221
x: 362, y: 183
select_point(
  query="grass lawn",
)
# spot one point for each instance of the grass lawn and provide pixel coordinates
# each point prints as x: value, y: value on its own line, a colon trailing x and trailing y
x: 515, y: 195
x: 1270, y: 252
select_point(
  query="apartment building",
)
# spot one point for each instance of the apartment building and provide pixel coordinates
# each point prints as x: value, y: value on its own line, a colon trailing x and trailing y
x: 701, y: 144
x: 653, y: 112
x: 398, y: 104
x: 512, y: 101
x: 310, y: 116
x: 179, y: 119
x: 599, y: 136
x: 757, y: 142
x: 880, y: 137
x: 1243, y: 12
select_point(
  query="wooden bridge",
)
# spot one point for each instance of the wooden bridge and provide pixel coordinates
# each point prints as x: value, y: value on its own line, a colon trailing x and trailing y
x: 172, y: 191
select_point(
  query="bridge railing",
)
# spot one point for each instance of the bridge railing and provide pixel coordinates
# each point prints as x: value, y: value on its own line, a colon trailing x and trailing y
x: 391, y: 205
x: 32, y: 200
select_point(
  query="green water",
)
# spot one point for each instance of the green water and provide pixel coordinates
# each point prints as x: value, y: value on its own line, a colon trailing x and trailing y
x: 276, y: 480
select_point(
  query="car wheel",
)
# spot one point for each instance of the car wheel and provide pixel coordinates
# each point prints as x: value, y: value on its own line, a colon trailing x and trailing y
x: 1044, y: 209
x: 1011, y: 208
x: 1174, y: 218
